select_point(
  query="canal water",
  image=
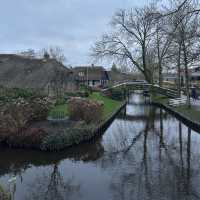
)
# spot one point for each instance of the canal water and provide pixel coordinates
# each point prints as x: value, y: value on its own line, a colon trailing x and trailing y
x: 145, y: 154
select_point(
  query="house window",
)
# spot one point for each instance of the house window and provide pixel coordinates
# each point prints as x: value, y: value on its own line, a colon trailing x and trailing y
x: 81, y: 74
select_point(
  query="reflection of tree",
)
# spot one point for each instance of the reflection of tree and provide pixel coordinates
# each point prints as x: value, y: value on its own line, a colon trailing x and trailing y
x: 161, y: 169
x: 53, y: 187
x: 188, y: 161
x: 131, y: 184
x: 17, y: 165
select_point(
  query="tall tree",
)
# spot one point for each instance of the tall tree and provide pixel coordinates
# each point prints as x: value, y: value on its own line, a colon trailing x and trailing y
x: 187, y: 38
x: 129, y: 40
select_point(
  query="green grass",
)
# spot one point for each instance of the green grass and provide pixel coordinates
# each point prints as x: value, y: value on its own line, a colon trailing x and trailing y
x: 192, y: 113
x: 159, y: 98
x: 59, y: 109
x: 110, y: 105
x: 189, y: 112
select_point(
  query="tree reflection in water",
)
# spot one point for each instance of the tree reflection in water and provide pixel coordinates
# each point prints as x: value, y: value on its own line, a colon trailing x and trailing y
x: 52, y: 186
x: 164, y: 170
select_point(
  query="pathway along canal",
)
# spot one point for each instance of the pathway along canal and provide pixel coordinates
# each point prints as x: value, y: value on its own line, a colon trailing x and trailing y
x: 146, y: 154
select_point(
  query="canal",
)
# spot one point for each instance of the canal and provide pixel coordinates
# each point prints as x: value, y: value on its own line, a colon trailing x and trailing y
x: 145, y: 154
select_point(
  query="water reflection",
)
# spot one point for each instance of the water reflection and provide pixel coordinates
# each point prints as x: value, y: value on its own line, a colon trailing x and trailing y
x: 52, y: 186
x: 144, y: 154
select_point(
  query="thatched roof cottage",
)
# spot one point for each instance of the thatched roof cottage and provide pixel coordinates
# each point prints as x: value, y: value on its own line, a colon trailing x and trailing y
x: 48, y: 75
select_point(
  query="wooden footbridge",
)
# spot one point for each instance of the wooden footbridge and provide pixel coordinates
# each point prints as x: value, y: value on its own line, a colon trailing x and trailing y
x: 141, y: 85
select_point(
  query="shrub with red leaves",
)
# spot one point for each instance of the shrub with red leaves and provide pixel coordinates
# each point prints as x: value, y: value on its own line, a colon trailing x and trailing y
x: 89, y: 111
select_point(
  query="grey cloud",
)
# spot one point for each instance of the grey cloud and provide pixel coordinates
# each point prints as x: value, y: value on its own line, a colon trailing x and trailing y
x: 72, y: 24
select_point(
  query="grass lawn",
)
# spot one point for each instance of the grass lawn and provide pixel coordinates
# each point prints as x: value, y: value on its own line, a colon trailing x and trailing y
x: 159, y: 98
x: 59, y: 109
x: 110, y: 105
x: 191, y: 113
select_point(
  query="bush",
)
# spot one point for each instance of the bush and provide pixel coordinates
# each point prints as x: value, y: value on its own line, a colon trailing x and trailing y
x: 86, y: 88
x: 4, y: 195
x: 40, y: 108
x: 76, y: 94
x: 89, y: 111
x: 116, y: 93
x: 31, y: 137
x: 68, y: 138
x: 10, y: 94
x: 15, y: 116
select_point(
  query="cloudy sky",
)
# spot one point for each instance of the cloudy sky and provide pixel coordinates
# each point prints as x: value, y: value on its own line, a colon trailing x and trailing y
x: 74, y: 25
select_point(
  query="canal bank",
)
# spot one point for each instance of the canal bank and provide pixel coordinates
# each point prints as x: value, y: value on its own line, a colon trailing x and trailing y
x: 188, y: 120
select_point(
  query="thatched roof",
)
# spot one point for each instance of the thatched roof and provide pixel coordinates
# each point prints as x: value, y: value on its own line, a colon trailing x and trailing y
x: 90, y: 73
x: 21, y: 72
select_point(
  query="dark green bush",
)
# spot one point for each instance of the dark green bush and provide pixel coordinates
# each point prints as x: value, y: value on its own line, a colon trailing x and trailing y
x: 4, y: 195
x: 24, y: 93
x: 10, y: 94
x: 68, y: 138
x: 86, y: 88
x: 76, y: 94
x: 117, y: 93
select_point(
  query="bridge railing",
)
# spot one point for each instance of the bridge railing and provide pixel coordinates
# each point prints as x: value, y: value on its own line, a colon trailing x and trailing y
x: 165, y: 91
x: 146, y: 86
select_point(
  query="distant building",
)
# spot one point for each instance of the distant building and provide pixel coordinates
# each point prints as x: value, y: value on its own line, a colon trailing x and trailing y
x: 94, y: 76
x: 170, y: 77
x: 194, y: 75
x: 47, y: 75
x: 117, y: 76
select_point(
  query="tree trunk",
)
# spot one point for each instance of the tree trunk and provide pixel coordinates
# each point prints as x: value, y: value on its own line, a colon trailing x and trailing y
x: 187, y: 81
x: 179, y: 70
x: 160, y: 73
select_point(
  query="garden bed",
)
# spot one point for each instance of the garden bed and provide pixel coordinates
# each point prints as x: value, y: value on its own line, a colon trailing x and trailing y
x: 51, y: 135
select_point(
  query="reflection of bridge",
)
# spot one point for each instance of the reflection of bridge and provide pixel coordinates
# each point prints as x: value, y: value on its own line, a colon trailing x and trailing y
x: 141, y: 85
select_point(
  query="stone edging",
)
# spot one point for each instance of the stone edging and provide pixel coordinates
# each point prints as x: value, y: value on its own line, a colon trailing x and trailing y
x: 188, y: 122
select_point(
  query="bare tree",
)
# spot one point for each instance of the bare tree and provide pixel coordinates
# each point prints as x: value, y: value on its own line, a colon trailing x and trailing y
x: 129, y: 41
x: 54, y: 52
x: 187, y: 38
